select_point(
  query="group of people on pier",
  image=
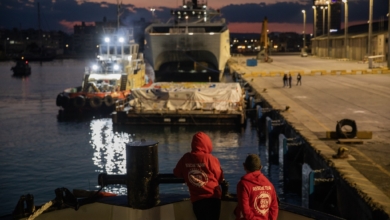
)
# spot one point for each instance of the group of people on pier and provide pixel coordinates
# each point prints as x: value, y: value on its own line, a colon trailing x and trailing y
x: 203, y: 174
x: 287, y: 79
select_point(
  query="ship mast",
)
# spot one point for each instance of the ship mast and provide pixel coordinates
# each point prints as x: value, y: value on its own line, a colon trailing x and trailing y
x: 39, y: 17
x: 118, y: 12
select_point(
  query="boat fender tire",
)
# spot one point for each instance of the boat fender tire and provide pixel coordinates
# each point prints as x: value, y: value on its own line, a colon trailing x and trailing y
x: 95, y: 102
x: 129, y: 97
x: 59, y: 99
x: 79, y: 101
x: 346, y: 122
x: 65, y: 101
x: 108, y: 100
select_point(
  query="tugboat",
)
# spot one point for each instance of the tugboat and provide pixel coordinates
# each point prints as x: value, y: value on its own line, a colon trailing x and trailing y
x: 22, y: 68
x: 118, y: 69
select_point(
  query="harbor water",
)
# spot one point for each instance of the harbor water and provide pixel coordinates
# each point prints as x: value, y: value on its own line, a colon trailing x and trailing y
x: 38, y: 153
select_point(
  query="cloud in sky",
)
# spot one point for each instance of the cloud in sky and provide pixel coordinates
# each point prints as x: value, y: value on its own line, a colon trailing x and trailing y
x: 283, y: 15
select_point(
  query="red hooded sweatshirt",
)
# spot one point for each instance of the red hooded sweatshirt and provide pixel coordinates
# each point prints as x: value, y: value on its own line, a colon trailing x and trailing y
x: 201, y: 171
x: 256, y: 198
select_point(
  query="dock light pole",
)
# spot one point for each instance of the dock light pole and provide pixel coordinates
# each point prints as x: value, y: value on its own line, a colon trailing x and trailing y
x: 346, y: 27
x: 370, y: 28
x: 323, y: 19
x: 329, y: 12
x: 186, y: 24
x: 304, y: 27
x: 315, y: 21
x: 388, y: 43
x: 186, y: 33
x: 152, y: 10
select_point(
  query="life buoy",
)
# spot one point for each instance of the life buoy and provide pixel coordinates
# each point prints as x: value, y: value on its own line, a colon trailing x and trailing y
x: 65, y: 101
x: 79, y: 101
x: 346, y: 122
x: 59, y: 99
x: 108, y: 100
x: 95, y: 102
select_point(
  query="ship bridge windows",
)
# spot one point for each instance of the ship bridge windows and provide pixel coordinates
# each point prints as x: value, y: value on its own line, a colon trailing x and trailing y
x: 181, y: 30
x: 193, y: 29
x: 107, y: 50
x: 116, y: 50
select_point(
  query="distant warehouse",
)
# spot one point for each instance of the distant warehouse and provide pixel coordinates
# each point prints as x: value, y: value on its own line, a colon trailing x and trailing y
x: 357, y: 42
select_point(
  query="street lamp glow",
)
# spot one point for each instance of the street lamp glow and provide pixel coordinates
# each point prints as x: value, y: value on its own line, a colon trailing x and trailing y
x: 303, y: 11
x: 152, y: 10
x: 121, y: 39
x: 106, y: 39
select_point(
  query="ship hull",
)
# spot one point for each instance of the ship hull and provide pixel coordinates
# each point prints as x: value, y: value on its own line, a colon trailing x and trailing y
x: 171, y: 207
x: 194, y: 55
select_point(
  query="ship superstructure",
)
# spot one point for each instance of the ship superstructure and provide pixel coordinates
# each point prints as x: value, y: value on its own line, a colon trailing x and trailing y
x: 192, y: 46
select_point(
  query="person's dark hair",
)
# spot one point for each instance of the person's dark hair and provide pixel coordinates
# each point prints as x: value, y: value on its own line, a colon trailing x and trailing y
x: 252, y: 162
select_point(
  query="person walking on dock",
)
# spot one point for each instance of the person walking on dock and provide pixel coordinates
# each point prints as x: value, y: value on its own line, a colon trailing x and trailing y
x: 289, y: 79
x: 299, y: 77
x: 256, y: 195
x: 285, y: 80
x: 203, y: 174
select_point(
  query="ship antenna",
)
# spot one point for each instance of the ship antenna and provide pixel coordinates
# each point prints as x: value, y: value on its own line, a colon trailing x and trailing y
x: 39, y: 18
x: 119, y: 6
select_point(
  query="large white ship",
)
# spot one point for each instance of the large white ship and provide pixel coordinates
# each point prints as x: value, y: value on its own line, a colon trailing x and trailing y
x: 192, y: 46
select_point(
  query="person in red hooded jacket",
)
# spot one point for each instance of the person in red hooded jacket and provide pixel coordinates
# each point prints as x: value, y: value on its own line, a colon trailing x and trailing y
x: 203, y: 174
x: 256, y: 195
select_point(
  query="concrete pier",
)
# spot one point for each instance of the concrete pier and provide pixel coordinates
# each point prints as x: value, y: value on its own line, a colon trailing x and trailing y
x: 333, y: 90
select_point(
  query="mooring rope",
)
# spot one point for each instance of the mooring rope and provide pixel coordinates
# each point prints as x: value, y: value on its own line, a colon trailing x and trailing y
x: 41, y: 210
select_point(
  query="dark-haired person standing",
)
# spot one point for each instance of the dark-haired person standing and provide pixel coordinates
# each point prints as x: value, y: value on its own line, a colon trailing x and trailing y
x: 203, y: 174
x: 255, y: 193
x: 299, y: 77
x: 285, y: 80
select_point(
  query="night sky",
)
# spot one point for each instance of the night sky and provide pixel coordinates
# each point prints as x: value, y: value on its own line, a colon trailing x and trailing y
x: 243, y: 16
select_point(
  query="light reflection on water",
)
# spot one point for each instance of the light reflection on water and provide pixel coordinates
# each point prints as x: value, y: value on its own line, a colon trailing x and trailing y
x: 39, y: 154
x: 230, y: 146
x: 109, y: 147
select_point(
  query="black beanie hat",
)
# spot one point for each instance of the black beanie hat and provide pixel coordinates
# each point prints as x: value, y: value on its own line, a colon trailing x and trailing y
x: 252, y: 162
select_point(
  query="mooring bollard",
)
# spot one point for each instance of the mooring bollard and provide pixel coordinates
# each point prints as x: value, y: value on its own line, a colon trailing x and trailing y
x: 142, y: 178
x: 142, y: 172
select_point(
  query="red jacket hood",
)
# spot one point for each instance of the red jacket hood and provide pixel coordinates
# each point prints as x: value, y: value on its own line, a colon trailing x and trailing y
x: 201, y: 143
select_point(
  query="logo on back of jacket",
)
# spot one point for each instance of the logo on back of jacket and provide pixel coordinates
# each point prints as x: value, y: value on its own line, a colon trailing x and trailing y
x: 196, y: 176
x: 262, y: 200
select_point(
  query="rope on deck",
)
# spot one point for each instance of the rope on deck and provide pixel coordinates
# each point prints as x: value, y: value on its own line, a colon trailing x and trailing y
x: 41, y: 210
